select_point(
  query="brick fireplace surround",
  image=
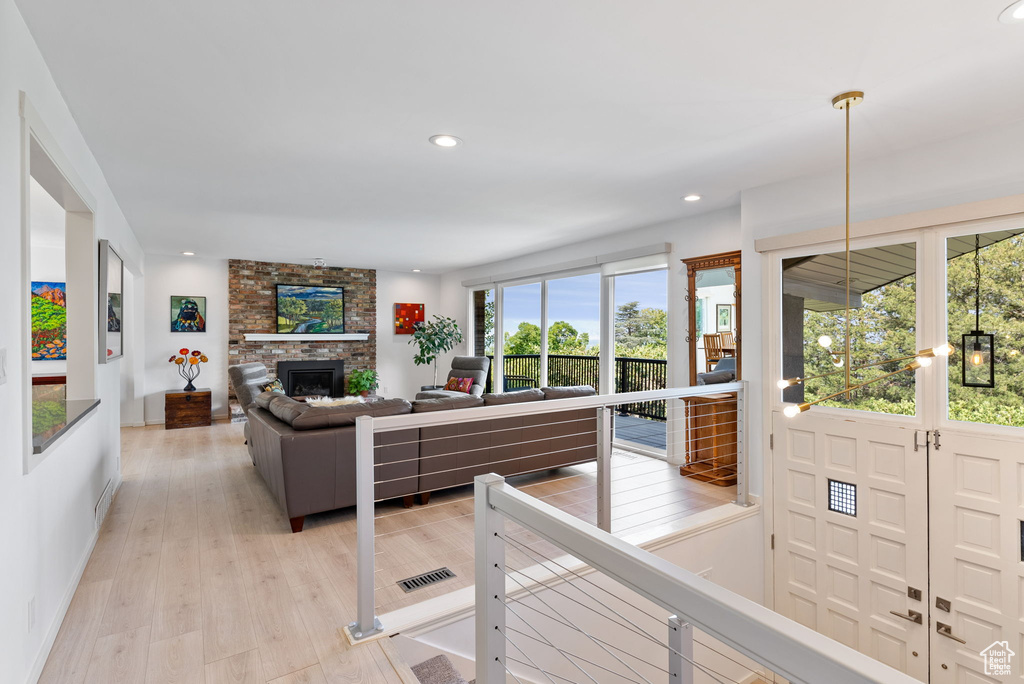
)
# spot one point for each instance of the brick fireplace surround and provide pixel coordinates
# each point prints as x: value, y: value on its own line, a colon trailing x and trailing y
x: 252, y: 308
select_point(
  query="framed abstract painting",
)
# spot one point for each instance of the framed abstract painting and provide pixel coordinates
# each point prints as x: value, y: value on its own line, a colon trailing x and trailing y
x: 188, y: 314
x: 407, y: 316
x: 111, y: 304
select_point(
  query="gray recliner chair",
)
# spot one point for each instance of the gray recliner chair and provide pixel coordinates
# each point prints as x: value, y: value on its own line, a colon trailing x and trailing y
x: 247, y: 381
x: 475, y: 367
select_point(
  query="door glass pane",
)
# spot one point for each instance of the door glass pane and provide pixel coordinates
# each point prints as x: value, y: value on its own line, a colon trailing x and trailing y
x: 641, y: 353
x: 521, y: 325
x: 574, y: 330
x: 883, y: 314
x: 1001, y: 299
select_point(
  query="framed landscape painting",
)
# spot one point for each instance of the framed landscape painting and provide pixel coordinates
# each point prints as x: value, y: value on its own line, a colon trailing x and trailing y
x: 724, y: 312
x: 49, y: 321
x: 406, y: 318
x: 310, y: 309
x: 188, y: 314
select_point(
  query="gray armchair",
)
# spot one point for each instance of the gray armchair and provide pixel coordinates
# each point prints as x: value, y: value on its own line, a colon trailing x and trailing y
x: 725, y: 371
x: 475, y: 367
x: 247, y: 381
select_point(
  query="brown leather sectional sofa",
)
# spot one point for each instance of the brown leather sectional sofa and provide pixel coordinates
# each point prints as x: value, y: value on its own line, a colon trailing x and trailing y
x: 306, y: 454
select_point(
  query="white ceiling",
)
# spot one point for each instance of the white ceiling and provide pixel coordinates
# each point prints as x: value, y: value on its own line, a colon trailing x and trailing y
x: 291, y: 130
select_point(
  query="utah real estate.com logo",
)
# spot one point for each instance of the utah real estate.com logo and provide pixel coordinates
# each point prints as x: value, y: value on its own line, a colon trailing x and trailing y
x: 997, y: 659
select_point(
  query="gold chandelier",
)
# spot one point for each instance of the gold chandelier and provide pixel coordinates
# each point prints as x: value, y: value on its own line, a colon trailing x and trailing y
x: 921, y: 359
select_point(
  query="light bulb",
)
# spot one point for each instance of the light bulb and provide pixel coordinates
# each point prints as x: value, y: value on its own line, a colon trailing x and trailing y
x: 943, y: 349
x: 976, y: 358
x: 924, y: 361
x: 838, y: 360
x: 782, y: 384
x: 825, y: 341
x: 791, y: 410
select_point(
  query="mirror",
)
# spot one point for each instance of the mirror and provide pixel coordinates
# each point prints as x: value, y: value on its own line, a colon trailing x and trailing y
x: 713, y: 298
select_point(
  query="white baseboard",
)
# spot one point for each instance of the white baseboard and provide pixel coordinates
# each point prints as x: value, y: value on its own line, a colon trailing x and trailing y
x: 51, y: 634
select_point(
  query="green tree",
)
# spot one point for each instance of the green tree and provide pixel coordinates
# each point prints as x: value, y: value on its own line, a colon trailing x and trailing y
x: 636, y: 328
x: 291, y: 308
x: 525, y: 340
x: 489, y: 327
x: 334, y: 312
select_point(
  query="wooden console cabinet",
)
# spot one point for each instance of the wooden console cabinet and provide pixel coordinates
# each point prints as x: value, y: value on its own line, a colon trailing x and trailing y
x: 711, y: 439
x: 187, y: 409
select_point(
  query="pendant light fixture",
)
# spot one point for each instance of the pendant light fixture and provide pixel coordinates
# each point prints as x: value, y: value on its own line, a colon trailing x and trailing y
x: 979, y: 362
x: 842, y: 358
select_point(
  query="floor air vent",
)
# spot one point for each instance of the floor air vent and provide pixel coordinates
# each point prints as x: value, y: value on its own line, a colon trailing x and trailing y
x: 103, y: 505
x: 426, y: 579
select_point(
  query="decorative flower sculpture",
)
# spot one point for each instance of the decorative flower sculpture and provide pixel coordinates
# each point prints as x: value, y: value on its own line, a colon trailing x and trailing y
x: 188, y: 365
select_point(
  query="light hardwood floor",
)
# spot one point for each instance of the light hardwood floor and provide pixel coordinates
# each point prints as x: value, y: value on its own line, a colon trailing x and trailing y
x: 196, y: 576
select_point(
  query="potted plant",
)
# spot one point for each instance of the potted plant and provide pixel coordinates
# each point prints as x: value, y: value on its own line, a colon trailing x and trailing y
x: 362, y: 382
x: 433, y: 338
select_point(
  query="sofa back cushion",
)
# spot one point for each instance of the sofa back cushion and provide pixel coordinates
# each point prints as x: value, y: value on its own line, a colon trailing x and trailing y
x: 285, y: 408
x: 499, y: 399
x: 301, y: 416
x: 568, y: 392
x: 446, y: 403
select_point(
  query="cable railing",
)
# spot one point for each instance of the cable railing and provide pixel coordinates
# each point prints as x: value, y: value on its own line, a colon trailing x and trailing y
x: 578, y: 454
x: 598, y: 609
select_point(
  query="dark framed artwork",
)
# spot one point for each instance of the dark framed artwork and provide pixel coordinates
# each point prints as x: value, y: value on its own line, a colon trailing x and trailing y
x: 310, y: 309
x: 49, y: 321
x: 111, y: 304
x: 407, y: 316
x: 723, y: 316
x: 188, y: 314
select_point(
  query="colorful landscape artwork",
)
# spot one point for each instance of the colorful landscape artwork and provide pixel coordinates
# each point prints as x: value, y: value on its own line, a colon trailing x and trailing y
x: 310, y: 309
x: 49, y: 321
x: 406, y: 318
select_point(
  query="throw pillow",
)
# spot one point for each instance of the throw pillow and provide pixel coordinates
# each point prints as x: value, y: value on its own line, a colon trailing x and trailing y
x: 276, y: 386
x: 465, y: 384
x: 459, y: 385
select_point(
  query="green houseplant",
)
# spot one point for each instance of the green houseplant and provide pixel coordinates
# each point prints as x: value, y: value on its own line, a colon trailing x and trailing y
x: 362, y: 382
x: 433, y: 338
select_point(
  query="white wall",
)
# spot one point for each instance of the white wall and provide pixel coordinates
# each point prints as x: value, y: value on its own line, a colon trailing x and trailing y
x: 46, y: 516
x: 185, y: 276
x: 399, y: 376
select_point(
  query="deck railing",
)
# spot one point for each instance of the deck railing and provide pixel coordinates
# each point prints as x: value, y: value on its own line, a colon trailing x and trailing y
x: 631, y: 375
x: 635, y: 618
x: 416, y: 454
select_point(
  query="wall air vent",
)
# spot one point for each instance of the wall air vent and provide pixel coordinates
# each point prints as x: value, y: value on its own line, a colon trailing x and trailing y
x: 103, y: 505
x: 426, y: 579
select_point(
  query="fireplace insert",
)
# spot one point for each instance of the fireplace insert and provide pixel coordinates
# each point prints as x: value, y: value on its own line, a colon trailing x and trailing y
x: 312, y: 378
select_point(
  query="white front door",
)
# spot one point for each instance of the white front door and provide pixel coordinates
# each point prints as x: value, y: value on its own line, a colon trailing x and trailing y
x: 851, y: 534
x: 977, y: 485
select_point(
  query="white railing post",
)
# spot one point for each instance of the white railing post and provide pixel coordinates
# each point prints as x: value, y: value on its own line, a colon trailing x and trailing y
x: 742, y: 456
x: 366, y: 623
x: 604, y: 468
x: 490, y: 583
x: 680, y: 651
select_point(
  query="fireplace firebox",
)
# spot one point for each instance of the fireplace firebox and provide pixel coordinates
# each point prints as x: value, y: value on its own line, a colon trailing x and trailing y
x: 312, y: 378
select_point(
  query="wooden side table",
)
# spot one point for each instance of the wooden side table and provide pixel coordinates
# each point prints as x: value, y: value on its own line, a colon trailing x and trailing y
x: 711, y: 439
x: 187, y: 409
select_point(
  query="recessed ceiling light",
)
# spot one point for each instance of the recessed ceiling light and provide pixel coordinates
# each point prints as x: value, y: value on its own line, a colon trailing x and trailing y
x: 189, y: 253
x: 692, y: 198
x: 415, y: 270
x: 1014, y: 14
x: 445, y: 140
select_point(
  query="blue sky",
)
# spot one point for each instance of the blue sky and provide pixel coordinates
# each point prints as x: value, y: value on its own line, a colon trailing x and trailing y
x: 577, y: 300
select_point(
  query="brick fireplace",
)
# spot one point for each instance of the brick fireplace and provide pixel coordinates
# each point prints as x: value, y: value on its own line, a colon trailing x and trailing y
x: 252, y: 308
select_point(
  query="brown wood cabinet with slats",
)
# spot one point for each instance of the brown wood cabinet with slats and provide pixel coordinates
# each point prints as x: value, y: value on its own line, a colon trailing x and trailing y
x: 187, y: 409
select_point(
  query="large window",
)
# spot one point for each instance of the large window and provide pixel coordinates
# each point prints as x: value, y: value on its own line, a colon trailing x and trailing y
x: 883, y: 326
x: 574, y: 331
x: 521, y: 335
x: 1001, y: 265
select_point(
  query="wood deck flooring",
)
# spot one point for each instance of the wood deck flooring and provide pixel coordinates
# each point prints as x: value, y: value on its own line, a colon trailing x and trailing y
x: 196, y: 576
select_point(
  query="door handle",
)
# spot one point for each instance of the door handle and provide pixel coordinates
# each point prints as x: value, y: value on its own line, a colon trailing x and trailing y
x: 911, y: 616
x: 947, y: 631
x: 916, y: 445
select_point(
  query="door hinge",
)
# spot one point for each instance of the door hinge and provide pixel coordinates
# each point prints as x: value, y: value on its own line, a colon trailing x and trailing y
x: 771, y: 441
x: 935, y: 440
x: 773, y: 542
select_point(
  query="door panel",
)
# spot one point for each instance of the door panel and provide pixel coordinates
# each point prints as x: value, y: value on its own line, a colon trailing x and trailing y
x: 842, y: 574
x: 977, y: 486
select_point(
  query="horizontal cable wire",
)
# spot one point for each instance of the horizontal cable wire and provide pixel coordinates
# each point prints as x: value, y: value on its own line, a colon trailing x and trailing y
x: 489, y: 446
x: 533, y: 552
x: 589, y: 662
x: 482, y: 432
x: 580, y: 630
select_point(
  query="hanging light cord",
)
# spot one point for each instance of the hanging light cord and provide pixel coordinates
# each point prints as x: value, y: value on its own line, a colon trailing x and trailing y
x: 977, y: 283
